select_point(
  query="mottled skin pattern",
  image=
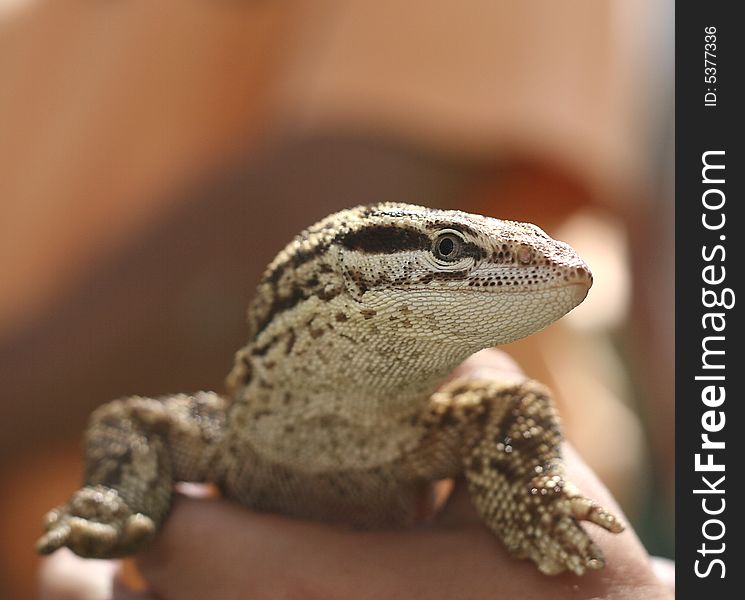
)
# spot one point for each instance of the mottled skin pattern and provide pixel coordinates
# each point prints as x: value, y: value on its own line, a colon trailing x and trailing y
x: 333, y: 410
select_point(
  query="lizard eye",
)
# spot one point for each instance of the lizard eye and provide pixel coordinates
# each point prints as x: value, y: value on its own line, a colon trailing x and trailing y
x: 447, y: 246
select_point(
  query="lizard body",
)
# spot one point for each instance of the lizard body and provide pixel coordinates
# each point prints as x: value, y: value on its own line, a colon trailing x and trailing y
x: 333, y: 410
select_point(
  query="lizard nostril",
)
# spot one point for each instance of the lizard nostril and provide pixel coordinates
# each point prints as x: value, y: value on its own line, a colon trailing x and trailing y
x: 524, y: 255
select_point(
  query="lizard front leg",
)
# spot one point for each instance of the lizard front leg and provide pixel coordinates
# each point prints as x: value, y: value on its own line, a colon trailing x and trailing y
x: 507, y: 438
x: 135, y: 448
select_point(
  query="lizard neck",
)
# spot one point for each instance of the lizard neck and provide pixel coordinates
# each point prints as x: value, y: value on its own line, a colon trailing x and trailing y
x: 335, y: 357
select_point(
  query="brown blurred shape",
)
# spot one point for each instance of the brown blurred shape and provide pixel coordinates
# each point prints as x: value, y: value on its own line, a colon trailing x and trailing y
x: 104, y: 107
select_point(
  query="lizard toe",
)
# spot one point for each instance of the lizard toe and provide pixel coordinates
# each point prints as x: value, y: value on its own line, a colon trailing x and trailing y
x: 95, y: 523
x: 584, y: 509
x: 553, y: 536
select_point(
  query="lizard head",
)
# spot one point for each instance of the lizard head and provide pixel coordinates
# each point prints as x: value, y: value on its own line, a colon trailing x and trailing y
x: 415, y: 272
x: 406, y: 287
x: 465, y: 277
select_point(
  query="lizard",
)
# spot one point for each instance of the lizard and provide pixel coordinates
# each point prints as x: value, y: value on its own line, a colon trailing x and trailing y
x: 336, y: 410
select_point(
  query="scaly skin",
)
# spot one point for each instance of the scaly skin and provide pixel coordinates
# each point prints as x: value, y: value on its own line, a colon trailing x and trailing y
x: 332, y: 411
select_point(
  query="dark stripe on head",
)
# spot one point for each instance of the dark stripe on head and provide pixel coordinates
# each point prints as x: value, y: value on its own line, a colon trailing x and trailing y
x: 300, y: 257
x: 385, y: 239
x: 473, y: 250
x: 262, y: 318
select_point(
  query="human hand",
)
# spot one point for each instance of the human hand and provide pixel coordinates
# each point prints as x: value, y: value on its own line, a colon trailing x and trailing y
x: 212, y: 548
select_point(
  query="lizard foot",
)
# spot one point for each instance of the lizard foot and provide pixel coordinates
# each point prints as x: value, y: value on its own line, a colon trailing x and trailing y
x: 551, y: 535
x: 516, y: 478
x: 95, y: 523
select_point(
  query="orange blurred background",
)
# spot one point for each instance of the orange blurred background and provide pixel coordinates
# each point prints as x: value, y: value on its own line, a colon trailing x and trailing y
x: 155, y: 155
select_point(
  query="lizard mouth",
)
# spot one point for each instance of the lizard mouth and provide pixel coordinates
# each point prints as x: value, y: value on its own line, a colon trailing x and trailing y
x: 515, y: 288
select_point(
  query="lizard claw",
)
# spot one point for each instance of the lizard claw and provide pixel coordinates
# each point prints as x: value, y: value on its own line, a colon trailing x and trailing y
x: 558, y: 541
x: 584, y: 509
x: 96, y: 523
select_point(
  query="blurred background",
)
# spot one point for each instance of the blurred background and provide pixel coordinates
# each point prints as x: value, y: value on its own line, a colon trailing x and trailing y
x: 156, y: 154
